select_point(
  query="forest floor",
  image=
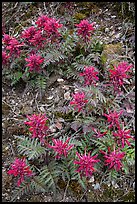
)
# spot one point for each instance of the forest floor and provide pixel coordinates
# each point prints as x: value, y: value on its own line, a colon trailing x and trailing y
x: 19, y: 101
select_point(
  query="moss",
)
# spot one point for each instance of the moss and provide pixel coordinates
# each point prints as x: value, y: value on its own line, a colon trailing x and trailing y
x: 129, y: 197
x: 67, y: 116
x: 79, y: 16
x: 109, y: 52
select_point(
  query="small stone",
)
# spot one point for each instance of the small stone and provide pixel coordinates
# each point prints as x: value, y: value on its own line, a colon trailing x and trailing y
x: 52, y: 128
x: 91, y: 180
x: 65, y: 87
x: 117, y: 36
x: 106, y: 30
x: 67, y: 95
x: 119, y: 28
x: 6, y: 148
x: 50, y: 97
x: 116, y: 186
x: 113, y: 16
x: 12, y: 101
x: 97, y: 186
x: 60, y: 80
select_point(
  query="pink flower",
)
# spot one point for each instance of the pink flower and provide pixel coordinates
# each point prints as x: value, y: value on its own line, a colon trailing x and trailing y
x: 123, y: 136
x: 41, y: 20
x: 5, y: 58
x: 29, y: 33
x: 113, y: 118
x: 79, y: 101
x: 86, y: 164
x: 89, y: 75
x: 6, y: 39
x: 34, y: 62
x: 51, y: 27
x: 84, y: 29
x: 38, y: 39
x: 61, y: 148
x: 20, y: 168
x: 38, y: 126
x: 118, y: 75
x: 98, y: 133
x: 113, y: 159
x: 14, y: 47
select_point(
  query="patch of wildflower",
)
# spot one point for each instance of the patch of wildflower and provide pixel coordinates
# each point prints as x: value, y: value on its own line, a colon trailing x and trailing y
x: 61, y: 148
x: 113, y: 118
x: 86, y: 164
x: 79, y: 101
x: 119, y: 73
x: 123, y: 136
x: 85, y: 29
x: 34, y: 62
x: 113, y: 159
x: 20, y: 168
x: 38, y: 126
x: 90, y: 76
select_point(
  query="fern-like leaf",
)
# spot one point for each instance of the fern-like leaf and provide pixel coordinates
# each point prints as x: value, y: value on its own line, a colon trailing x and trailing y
x: 30, y: 147
x: 49, y: 176
x: 29, y: 186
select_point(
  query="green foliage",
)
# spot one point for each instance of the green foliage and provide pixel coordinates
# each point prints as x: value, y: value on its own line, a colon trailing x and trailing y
x: 30, y: 148
x: 49, y: 175
x: 29, y: 186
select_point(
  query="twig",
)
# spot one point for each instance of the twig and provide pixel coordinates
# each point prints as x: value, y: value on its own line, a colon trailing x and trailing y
x: 12, y: 149
x: 12, y: 15
x: 65, y: 191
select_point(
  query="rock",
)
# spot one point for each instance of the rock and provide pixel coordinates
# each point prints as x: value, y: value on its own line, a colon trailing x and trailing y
x: 60, y: 80
x: 67, y: 95
x: 106, y: 30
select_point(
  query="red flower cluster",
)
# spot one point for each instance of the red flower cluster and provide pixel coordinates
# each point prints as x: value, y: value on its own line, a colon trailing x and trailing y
x: 123, y: 136
x: 38, y: 40
x: 51, y: 27
x: 86, y: 164
x: 89, y: 75
x: 79, y: 101
x: 34, y: 62
x: 84, y: 29
x: 6, y: 39
x: 61, y: 148
x: 41, y: 21
x: 38, y: 126
x: 98, y: 133
x: 12, y: 45
x: 5, y: 58
x: 113, y: 159
x: 113, y: 118
x: 118, y: 75
x: 29, y: 33
x: 20, y: 168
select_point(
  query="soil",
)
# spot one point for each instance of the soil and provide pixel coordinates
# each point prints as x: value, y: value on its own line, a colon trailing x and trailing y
x: 19, y: 101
